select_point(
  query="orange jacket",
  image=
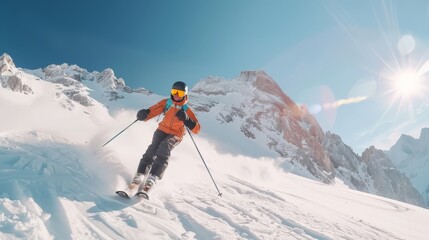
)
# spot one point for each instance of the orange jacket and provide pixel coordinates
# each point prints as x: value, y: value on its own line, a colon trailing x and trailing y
x: 170, y: 123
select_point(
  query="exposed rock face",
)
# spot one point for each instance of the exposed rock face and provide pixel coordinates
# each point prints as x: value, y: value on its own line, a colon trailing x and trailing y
x: 15, y: 84
x: 69, y: 83
x: 112, y: 85
x: 388, y: 181
x: 10, y: 77
x: 6, y: 63
x: 348, y: 165
x: 373, y: 172
x: 72, y: 82
x: 72, y: 79
x: 411, y: 157
x: 262, y: 110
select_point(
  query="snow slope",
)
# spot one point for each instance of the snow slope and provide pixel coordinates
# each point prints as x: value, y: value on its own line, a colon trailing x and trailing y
x: 55, y: 185
x: 52, y: 189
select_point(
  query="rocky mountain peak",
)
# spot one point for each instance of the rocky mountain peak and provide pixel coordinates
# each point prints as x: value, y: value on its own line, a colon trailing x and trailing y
x: 348, y: 165
x: 411, y: 142
x: 264, y: 83
x: 6, y: 63
x: 64, y: 71
x: 424, y: 135
x: 254, y: 75
x: 107, y: 78
x: 10, y: 77
x: 388, y: 180
x: 113, y: 85
x: 404, y: 139
x: 374, y: 154
x: 256, y: 103
x: 411, y: 157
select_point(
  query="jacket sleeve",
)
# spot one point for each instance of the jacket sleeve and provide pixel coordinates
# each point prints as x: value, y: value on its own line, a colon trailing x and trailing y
x: 192, y: 116
x: 156, y: 109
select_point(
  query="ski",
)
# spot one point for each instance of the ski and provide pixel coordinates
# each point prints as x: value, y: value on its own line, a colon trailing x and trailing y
x: 129, y: 192
x: 142, y: 195
x: 142, y: 190
x: 123, y: 194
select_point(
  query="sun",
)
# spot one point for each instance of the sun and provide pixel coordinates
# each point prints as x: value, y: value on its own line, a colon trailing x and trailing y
x: 406, y: 87
x: 406, y: 83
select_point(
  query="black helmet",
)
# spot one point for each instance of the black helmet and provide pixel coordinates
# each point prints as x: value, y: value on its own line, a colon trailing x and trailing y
x: 180, y: 86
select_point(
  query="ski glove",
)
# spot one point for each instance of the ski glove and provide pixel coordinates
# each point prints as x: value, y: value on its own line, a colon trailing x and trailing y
x: 142, y: 114
x: 181, y: 115
x: 190, y: 123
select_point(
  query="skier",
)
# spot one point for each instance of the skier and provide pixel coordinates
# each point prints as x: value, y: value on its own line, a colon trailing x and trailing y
x: 170, y: 131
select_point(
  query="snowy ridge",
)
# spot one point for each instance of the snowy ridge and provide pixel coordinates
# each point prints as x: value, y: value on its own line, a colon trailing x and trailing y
x: 272, y: 123
x: 10, y: 77
x: 85, y: 87
x: 373, y: 172
x: 253, y: 106
x: 411, y: 157
x: 349, y: 166
x: 387, y: 180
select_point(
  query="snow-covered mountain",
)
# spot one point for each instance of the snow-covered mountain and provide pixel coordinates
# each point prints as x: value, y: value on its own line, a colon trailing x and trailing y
x: 11, y: 78
x: 252, y: 107
x: 387, y: 180
x: 411, y: 157
x: 255, y: 107
x: 57, y: 183
x: 373, y: 172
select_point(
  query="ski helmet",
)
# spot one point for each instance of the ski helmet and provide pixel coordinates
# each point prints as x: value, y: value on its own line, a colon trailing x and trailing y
x: 180, y: 86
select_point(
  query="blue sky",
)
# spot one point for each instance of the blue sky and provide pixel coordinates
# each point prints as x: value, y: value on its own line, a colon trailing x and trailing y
x: 337, y: 57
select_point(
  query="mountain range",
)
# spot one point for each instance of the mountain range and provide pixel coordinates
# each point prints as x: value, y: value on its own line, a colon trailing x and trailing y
x: 249, y: 117
x: 254, y: 106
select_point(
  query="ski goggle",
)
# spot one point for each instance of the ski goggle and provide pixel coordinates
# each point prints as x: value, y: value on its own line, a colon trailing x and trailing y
x: 180, y: 93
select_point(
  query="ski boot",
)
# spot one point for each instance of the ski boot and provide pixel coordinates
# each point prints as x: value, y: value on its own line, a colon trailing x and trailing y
x: 133, y: 187
x: 147, y: 186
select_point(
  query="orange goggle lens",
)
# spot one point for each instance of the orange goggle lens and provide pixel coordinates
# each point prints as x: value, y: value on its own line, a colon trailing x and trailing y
x: 180, y: 93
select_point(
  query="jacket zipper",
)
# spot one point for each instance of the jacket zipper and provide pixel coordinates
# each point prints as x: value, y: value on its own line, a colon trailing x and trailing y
x: 172, y: 119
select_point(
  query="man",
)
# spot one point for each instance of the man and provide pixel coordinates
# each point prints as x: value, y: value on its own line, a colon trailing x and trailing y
x: 170, y: 131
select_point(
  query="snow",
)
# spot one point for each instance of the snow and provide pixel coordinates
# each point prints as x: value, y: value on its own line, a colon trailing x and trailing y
x: 52, y: 189
x: 59, y: 195
x: 56, y: 183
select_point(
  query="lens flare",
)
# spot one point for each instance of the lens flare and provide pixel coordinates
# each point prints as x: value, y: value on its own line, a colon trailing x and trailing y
x: 316, y: 108
x: 341, y: 102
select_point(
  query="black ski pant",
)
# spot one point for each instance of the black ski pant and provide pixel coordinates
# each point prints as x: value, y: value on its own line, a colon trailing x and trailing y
x: 157, y: 154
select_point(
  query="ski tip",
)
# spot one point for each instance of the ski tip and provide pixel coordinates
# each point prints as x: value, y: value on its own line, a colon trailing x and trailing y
x: 122, y: 194
x: 143, y: 195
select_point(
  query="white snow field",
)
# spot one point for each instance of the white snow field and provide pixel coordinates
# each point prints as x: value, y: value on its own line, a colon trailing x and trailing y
x: 53, y: 189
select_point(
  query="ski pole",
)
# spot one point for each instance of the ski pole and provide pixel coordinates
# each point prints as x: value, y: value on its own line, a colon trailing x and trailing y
x: 117, y: 134
x: 220, y: 194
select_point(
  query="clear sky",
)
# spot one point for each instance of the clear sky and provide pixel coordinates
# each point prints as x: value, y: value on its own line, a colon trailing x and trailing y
x: 359, y: 66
